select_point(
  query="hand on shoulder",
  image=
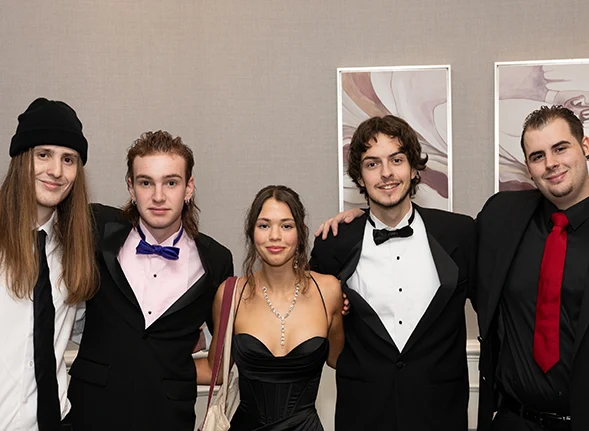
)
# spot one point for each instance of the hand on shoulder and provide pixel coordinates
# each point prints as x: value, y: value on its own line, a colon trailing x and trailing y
x: 333, y: 223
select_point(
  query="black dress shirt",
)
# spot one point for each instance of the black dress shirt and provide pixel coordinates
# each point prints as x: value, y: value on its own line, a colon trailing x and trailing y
x: 517, y: 372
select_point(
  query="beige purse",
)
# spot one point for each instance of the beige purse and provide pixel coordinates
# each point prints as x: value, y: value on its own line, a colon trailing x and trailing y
x: 222, y: 406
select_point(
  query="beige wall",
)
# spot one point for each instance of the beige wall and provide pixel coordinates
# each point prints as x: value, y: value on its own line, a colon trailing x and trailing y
x: 251, y: 85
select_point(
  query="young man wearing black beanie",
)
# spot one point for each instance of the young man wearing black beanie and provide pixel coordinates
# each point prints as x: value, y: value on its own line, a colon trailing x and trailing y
x: 46, y: 263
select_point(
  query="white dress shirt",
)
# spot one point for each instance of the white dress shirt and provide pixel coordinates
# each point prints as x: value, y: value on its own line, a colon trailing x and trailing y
x: 397, y: 278
x: 156, y: 281
x: 18, y: 387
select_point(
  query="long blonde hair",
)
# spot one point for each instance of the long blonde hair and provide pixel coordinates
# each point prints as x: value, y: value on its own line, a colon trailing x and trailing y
x: 73, y: 230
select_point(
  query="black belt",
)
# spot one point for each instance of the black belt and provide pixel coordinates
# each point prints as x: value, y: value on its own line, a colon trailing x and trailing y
x: 547, y: 420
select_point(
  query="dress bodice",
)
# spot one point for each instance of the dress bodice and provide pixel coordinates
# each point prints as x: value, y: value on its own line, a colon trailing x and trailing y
x: 278, y: 392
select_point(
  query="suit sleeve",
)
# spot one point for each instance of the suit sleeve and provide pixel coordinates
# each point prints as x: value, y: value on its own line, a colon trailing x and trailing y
x: 478, y: 225
x: 225, y: 272
x: 472, y: 264
x: 321, y: 256
x: 315, y: 262
x: 228, y: 270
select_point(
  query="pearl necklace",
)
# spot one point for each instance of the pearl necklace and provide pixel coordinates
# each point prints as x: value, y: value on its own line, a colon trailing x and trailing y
x: 277, y: 314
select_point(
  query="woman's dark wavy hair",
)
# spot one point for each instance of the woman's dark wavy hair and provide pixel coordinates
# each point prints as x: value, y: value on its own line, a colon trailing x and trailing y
x: 291, y: 198
x: 393, y: 127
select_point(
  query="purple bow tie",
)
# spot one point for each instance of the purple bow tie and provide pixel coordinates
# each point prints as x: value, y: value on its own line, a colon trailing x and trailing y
x: 167, y: 252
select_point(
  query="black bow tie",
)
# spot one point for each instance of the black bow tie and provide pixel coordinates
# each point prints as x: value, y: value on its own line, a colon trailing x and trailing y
x: 383, y: 235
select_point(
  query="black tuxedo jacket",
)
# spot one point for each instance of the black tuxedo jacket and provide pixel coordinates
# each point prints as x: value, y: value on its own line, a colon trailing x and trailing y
x: 424, y: 387
x: 501, y: 225
x: 126, y: 377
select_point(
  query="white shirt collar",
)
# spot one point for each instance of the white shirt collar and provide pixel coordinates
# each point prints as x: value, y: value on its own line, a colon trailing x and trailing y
x: 48, y: 226
x: 378, y: 224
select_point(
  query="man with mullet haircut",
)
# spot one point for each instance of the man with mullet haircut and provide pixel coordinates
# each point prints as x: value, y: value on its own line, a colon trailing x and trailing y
x: 407, y: 271
x: 46, y: 264
x: 159, y: 275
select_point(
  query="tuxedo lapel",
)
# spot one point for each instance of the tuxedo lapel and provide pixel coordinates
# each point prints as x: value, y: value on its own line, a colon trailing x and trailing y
x: 115, y: 235
x: 448, y: 275
x: 362, y: 309
x: 508, y: 241
x: 199, y: 287
x: 350, y: 253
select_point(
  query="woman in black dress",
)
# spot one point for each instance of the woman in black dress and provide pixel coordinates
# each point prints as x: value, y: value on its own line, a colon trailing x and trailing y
x: 288, y: 319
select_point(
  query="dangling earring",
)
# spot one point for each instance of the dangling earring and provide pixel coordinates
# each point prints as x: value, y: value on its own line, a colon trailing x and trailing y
x: 133, y: 202
x: 296, y: 263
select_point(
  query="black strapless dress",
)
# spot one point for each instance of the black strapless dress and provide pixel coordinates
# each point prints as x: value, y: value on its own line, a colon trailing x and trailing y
x: 278, y: 393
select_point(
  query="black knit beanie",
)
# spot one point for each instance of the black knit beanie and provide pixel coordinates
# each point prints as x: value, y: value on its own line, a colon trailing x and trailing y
x: 49, y: 122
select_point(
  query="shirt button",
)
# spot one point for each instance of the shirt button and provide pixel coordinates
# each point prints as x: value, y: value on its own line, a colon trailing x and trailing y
x: 31, y: 364
x: 560, y: 393
x: 154, y: 275
x: 400, y: 365
x: 149, y: 312
x: 400, y: 322
x: 400, y: 289
x: 398, y: 257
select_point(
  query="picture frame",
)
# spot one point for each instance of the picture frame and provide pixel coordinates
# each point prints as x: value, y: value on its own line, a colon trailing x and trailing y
x: 421, y: 95
x: 522, y: 87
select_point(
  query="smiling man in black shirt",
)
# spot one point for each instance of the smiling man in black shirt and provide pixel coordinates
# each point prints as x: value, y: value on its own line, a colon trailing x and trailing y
x: 531, y: 286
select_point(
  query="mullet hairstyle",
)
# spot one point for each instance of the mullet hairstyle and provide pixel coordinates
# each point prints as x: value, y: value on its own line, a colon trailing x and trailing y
x: 291, y: 198
x: 73, y: 232
x: 161, y: 142
x: 393, y: 127
x: 546, y: 114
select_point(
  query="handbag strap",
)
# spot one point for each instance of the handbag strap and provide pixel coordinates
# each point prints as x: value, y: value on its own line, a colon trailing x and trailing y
x: 226, y: 309
x: 226, y: 365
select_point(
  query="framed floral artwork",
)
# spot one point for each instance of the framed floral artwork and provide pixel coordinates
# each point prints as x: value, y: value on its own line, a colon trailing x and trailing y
x: 418, y: 94
x: 521, y: 87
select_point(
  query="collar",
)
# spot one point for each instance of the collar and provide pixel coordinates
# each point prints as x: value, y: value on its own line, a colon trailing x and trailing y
x: 169, y: 241
x: 378, y: 224
x: 577, y: 214
x: 48, y: 227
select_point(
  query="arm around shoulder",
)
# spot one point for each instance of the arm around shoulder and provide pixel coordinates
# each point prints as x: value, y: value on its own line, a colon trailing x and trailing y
x: 322, y: 256
x: 104, y: 213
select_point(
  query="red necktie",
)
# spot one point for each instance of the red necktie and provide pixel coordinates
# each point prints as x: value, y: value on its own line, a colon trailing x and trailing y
x: 547, y: 328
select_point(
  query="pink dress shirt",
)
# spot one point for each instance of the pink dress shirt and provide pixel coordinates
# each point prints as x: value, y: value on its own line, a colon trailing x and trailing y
x: 156, y: 281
